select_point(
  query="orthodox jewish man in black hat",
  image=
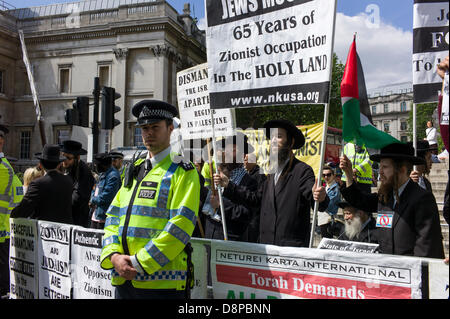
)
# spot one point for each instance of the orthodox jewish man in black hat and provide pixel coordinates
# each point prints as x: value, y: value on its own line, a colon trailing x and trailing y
x: 287, y: 195
x: 83, y: 180
x: 48, y: 197
x: 407, y: 220
x: 231, y: 152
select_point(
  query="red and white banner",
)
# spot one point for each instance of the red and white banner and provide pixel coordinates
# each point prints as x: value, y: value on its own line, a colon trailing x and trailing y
x: 241, y: 271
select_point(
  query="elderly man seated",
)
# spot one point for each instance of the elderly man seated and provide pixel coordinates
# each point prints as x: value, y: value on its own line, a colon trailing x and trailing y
x: 360, y: 226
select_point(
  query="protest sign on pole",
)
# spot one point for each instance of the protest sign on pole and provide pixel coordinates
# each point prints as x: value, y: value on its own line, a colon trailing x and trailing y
x: 430, y: 47
x: 255, y: 271
x: 54, y: 260
x: 269, y: 52
x: 200, y: 261
x: 23, y: 259
x: 193, y: 103
x: 438, y: 279
x: 90, y: 281
x: 345, y: 245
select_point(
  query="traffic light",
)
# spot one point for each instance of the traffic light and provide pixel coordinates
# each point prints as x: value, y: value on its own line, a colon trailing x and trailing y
x: 79, y: 114
x: 109, y: 95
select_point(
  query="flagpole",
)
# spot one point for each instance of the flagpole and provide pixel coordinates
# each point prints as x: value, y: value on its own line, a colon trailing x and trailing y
x: 324, y: 134
x: 219, y: 188
x: 414, y: 133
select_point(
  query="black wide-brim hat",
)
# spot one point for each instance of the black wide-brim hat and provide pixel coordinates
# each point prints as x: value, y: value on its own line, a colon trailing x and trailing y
x: 293, y: 131
x: 422, y: 148
x: 239, y: 139
x: 102, y: 158
x: 398, y: 152
x: 4, y: 129
x: 50, y: 153
x: 343, y: 204
x: 152, y: 111
x: 73, y: 147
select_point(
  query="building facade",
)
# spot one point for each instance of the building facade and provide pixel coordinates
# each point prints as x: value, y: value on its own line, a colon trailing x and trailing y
x: 390, y: 106
x: 135, y: 46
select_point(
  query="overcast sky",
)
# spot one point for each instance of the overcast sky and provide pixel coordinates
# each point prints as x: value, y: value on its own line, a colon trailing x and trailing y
x: 384, y: 34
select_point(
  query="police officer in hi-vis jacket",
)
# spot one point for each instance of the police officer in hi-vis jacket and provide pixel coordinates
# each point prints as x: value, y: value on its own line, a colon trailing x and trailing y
x: 151, y: 219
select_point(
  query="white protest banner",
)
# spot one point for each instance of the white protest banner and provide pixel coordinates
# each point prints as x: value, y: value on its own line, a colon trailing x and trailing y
x: 264, y: 52
x: 23, y: 259
x: 200, y: 261
x: 243, y: 270
x: 54, y: 260
x: 430, y: 47
x: 193, y: 103
x: 90, y: 281
x: 345, y: 245
x: 438, y: 279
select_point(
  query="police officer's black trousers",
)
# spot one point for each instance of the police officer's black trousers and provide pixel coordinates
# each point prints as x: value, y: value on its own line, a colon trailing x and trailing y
x: 127, y: 291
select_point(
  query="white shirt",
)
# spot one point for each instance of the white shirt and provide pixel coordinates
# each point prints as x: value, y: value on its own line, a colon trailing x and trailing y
x: 431, y: 135
x: 159, y: 157
x: 280, y: 169
x: 400, y: 191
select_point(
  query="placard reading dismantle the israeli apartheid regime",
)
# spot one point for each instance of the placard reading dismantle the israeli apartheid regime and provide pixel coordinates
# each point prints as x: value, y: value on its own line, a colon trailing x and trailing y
x: 264, y: 52
x: 193, y: 103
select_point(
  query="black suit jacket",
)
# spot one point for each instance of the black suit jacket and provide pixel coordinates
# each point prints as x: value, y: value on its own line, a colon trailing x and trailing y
x: 285, y: 208
x: 47, y: 198
x: 237, y: 216
x: 81, y: 195
x: 416, y: 229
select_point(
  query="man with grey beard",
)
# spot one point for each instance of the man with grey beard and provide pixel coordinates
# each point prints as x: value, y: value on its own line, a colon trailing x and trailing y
x: 408, y: 219
x: 359, y: 225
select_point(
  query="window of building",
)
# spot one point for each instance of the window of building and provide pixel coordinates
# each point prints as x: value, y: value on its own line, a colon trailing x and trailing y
x: 404, y: 138
x: 386, y: 108
x: 403, y: 106
x: 403, y: 125
x: 137, y: 141
x: 61, y: 134
x: 2, y: 78
x: 330, y: 139
x: 104, y: 75
x: 25, y: 144
x: 386, y: 126
x: 64, y: 80
x: 374, y: 109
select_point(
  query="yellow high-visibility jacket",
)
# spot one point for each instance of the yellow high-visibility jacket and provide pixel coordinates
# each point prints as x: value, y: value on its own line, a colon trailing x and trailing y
x: 11, y: 193
x: 361, y: 162
x: 153, y: 220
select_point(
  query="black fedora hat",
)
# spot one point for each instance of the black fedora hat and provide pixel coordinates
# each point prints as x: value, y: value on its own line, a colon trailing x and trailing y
x: 152, y: 111
x: 73, y: 147
x: 422, y: 148
x: 398, y: 151
x: 239, y: 139
x: 103, y: 158
x: 50, y: 153
x: 293, y: 131
x: 4, y: 129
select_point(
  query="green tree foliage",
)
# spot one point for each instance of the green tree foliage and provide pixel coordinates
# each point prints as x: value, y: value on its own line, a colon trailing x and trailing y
x: 298, y: 114
x: 424, y: 113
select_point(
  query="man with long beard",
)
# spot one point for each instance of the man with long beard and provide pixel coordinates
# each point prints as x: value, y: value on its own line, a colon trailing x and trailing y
x: 287, y: 195
x: 408, y: 220
x: 237, y: 215
x: 359, y: 225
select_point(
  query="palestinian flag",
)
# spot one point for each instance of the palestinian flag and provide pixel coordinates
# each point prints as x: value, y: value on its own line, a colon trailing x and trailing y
x: 357, y: 126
